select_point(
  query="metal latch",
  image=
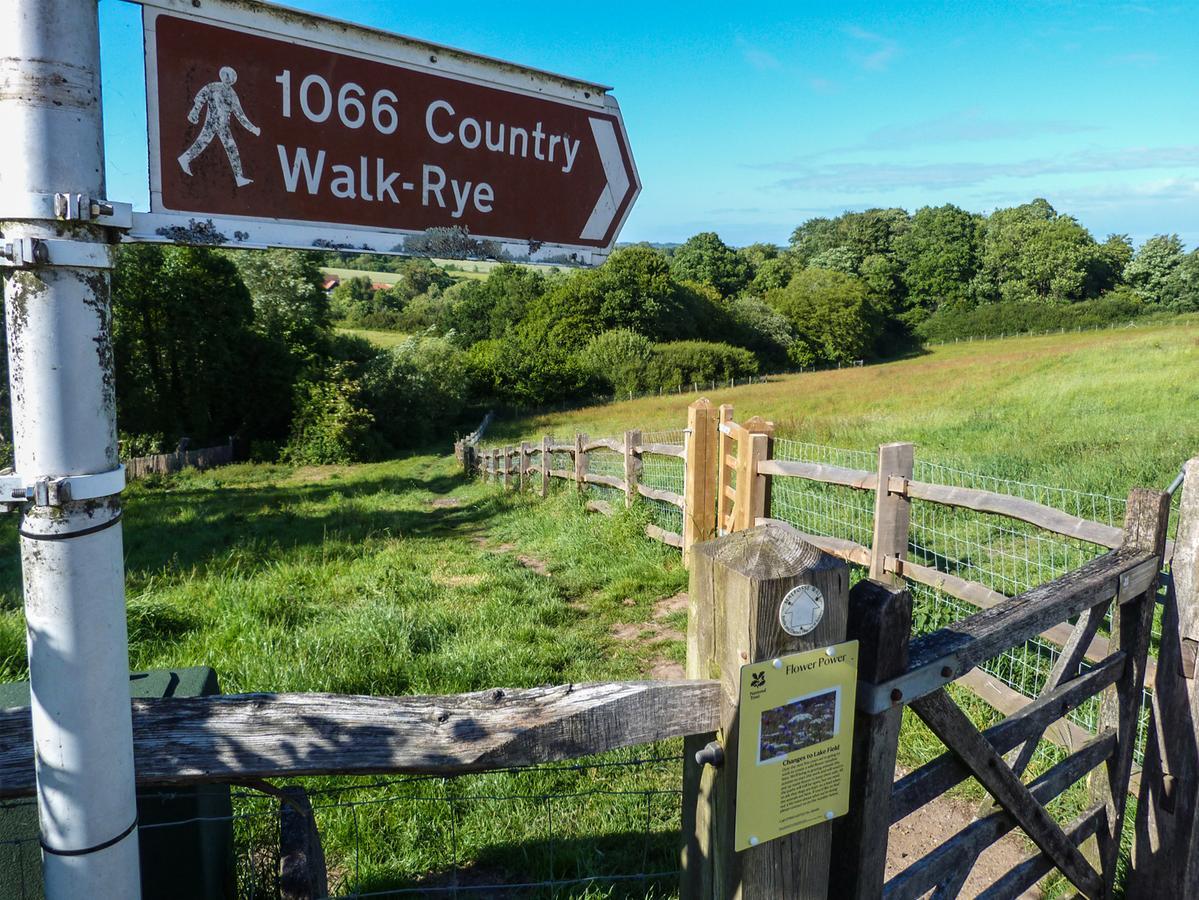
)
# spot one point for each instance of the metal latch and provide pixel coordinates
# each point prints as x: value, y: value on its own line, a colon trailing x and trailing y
x: 46, y: 491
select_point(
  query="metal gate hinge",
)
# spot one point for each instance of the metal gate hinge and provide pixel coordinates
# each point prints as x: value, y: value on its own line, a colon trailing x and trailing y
x: 25, y: 253
x: 46, y: 491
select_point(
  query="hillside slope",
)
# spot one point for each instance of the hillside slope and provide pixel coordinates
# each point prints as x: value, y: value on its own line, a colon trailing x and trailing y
x: 1099, y: 411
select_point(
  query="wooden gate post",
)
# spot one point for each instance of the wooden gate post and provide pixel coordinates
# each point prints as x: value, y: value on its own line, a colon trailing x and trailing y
x: 1165, y: 857
x: 547, y: 459
x: 737, y: 586
x: 508, y: 452
x: 880, y: 618
x: 699, y: 477
x: 525, y: 449
x: 632, y: 466
x: 753, y: 490
x: 724, y: 470
x: 302, y: 873
x: 581, y: 463
x: 892, y: 512
x: 1145, y: 522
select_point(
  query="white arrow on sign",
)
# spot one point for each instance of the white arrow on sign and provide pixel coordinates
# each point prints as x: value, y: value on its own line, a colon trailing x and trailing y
x: 618, y: 181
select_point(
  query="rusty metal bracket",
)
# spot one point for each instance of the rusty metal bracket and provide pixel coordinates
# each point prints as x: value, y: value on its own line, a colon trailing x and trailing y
x: 46, y: 491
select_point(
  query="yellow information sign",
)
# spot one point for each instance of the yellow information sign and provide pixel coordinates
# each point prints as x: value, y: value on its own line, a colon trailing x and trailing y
x: 796, y: 742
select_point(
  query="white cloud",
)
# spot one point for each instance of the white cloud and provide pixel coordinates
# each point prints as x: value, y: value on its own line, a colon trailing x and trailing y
x: 878, y: 59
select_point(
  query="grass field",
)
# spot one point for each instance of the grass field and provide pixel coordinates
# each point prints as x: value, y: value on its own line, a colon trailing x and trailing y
x: 383, y: 339
x: 1097, y: 411
x: 401, y: 578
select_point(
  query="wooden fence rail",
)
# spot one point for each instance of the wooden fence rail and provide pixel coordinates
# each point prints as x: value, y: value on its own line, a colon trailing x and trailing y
x: 255, y: 736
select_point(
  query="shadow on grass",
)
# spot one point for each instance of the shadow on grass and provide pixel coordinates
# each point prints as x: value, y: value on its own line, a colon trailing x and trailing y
x: 261, y: 518
x: 623, y: 865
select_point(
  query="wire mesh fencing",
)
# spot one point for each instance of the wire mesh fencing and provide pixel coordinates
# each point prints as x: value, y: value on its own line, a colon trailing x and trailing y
x: 665, y: 473
x: 603, y: 827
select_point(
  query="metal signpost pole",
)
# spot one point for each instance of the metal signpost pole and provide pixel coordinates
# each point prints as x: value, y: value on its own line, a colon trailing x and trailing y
x: 64, y: 435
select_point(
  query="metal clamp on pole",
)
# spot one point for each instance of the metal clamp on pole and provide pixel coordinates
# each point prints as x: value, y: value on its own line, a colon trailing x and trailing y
x: 46, y: 491
x: 25, y: 253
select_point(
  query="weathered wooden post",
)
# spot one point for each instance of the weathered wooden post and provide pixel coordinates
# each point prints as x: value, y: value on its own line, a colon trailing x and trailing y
x: 738, y: 583
x: 507, y: 455
x: 547, y: 459
x: 525, y: 449
x: 699, y: 476
x: 581, y: 463
x: 302, y: 872
x: 1145, y: 523
x: 1165, y: 858
x: 632, y: 466
x: 880, y: 619
x: 892, y: 512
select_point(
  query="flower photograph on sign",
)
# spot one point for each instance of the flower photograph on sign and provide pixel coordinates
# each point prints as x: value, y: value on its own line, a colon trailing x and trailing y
x: 798, y: 724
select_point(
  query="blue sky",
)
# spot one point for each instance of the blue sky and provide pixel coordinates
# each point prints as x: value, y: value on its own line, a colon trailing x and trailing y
x: 747, y: 119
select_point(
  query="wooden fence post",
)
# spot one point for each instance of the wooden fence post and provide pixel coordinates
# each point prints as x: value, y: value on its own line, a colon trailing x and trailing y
x: 880, y: 619
x: 1145, y: 523
x: 546, y: 459
x: 699, y: 476
x: 507, y: 456
x: 737, y: 586
x: 753, y: 490
x: 632, y: 466
x: 1165, y: 857
x: 525, y: 448
x: 892, y: 512
x: 302, y: 873
x: 724, y: 472
x: 581, y: 463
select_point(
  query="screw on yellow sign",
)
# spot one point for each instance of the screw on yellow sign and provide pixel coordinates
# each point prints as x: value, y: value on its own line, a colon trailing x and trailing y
x: 795, y: 742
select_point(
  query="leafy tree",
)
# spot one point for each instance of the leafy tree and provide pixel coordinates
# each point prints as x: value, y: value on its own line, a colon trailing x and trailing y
x: 421, y: 276
x: 289, y: 305
x: 188, y: 360
x: 759, y: 327
x: 478, y: 310
x: 706, y: 259
x: 352, y: 297
x: 838, y: 259
x: 831, y: 314
x: 633, y: 289
x: 812, y: 238
x: 939, y: 254
x: 1181, y: 292
x: 1031, y: 252
x: 871, y: 232
x: 774, y: 273
x: 1150, y: 271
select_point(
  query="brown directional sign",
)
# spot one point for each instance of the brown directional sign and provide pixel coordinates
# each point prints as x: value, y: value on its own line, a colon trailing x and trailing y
x: 338, y: 135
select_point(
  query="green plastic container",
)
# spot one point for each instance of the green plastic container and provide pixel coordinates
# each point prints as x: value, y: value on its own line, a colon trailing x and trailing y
x: 191, y: 861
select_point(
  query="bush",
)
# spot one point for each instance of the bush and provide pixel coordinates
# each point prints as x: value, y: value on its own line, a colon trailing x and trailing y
x: 415, y: 389
x: 332, y: 424
x: 617, y: 360
x: 682, y: 363
x: 1121, y: 305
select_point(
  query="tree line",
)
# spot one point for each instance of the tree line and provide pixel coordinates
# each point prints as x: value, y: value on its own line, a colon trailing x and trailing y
x: 211, y: 343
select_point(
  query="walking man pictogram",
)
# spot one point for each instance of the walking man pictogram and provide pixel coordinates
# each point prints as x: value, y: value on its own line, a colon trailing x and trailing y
x: 222, y: 103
